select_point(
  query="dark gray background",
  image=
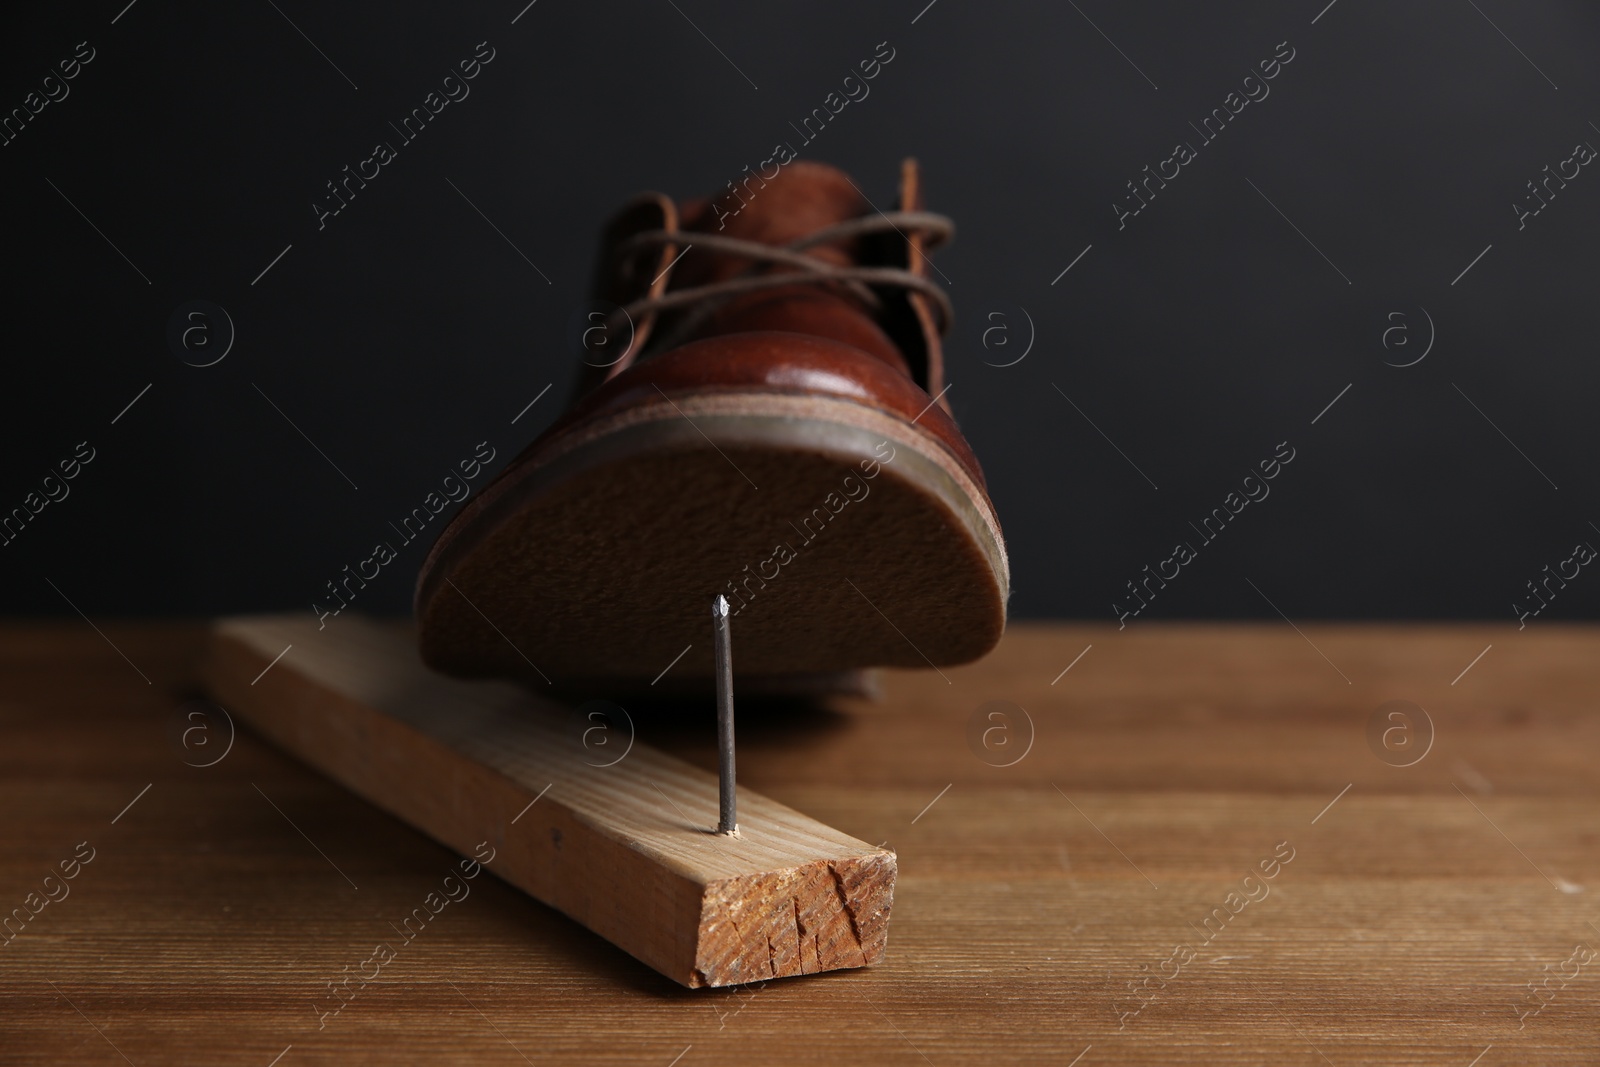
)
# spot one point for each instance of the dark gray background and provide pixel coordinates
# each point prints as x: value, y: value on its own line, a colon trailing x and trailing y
x: 1196, y: 339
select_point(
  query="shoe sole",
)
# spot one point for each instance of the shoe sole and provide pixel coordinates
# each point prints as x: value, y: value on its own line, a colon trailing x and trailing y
x: 843, y: 537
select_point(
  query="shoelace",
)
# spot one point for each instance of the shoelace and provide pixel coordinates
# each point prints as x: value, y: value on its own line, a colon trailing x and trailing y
x: 702, y: 300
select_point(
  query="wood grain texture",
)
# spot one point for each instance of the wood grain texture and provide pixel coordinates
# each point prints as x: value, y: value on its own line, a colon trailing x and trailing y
x: 614, y: 834
x: 1406, y: 929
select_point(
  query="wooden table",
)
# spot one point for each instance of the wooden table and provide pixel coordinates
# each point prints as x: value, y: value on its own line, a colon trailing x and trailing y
x: 1167, y: 765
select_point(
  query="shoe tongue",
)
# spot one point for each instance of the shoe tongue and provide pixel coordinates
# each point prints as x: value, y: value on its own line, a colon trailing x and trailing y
x: 803, y: 198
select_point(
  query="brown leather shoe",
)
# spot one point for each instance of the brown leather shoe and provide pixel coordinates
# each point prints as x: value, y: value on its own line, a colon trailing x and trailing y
x: 776, y: 431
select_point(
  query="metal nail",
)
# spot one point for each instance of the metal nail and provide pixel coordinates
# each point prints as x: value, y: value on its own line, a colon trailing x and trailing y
x: 728, y: 822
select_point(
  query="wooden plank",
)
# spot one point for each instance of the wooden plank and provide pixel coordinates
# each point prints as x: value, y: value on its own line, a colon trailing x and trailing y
x: 620, y: 838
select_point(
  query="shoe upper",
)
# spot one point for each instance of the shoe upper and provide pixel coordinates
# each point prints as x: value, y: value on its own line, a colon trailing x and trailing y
x: 809, y: 337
